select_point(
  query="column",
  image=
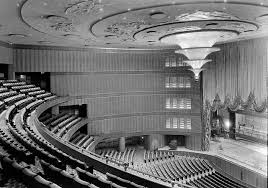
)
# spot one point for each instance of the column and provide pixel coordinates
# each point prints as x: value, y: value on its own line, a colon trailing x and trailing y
x: 122, y: 144
x: 154, y: 141
x: 11, y: 73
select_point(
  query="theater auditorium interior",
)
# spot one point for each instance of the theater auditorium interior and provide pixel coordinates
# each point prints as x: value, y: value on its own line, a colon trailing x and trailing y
x: 133, y: 93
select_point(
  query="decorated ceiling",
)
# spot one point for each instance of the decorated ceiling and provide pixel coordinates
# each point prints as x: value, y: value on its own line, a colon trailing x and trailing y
x: 142, y: 24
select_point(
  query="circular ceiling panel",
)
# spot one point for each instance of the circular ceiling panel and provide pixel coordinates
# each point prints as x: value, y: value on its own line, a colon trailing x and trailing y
x: 140, y: 23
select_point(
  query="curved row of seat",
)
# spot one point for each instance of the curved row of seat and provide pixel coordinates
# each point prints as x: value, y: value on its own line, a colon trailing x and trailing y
x: 3, y: 89
x: 150, y: 156
x: 127, y: 156
x: 31, y: 179
x: 7, y: 94
x: 11, y: 84
x: 22, y: 141
x: 22, y: 87
x: 193, y: 171
x: 32, y: 89
x: 179, y: 168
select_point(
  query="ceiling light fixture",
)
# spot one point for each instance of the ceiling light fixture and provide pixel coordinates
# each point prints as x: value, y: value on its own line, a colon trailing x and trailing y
x: 197, y: 45
x: 17, y: 35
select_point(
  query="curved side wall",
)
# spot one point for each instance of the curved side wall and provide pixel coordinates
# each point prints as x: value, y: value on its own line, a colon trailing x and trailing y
x: 125, y: 90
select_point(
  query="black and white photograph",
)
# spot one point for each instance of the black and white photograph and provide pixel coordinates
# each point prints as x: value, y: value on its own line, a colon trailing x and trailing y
x: 133, y: 93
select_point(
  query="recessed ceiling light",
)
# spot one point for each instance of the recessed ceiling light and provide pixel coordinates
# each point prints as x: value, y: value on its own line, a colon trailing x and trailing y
x: 45, y: 3
x: 211, y: 24
x: 129, y: 9
x: 44, y: 42
x: 18, y: 4
x: 17, y: 35
x: 152, y: 31
x: 110, y: 36
x: 158, y: 15
x: 101, y: 9
x: 248, y: 30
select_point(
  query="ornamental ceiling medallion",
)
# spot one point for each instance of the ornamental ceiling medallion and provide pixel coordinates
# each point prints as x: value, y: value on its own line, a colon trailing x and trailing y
x: 201, y: 15
x: 59, y: 23
x: 84, y: 7
x: 125, y: 30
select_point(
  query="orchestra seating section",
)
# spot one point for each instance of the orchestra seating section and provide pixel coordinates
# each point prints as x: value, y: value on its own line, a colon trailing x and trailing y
x: 27, y: 155
x: 190, y: 170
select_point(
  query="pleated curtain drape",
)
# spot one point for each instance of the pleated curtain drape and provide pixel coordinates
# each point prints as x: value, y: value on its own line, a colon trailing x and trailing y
x: 239, y: 70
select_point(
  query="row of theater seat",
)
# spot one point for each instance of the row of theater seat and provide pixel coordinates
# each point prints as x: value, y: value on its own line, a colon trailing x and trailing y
x: 178, y: 168
x: 64, y: 129
x: 150, y: 156
x: 60, y: 124
x: 193, y: 171
x: 11, y: 84
x: 13, y: 168
x: 127, y: 156
x: 215, y: 180
x: 7, y: 94
x: 22, y: 87
x: 72, y: 181
x: 28, y: 149
x: 28, y: 141
x: 32, y: 89
x: 25, y: 144
x: 3, y: 89
x: 64, y: 178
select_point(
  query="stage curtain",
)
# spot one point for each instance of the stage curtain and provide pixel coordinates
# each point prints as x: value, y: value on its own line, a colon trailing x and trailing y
x: 238, y: 74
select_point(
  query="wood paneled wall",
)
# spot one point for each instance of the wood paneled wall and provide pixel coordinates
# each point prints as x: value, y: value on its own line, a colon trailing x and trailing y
x: 6, y: 55
x: 238, y: 69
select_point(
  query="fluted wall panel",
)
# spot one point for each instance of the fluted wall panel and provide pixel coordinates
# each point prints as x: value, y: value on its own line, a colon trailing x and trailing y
x: 131, y: 104
x: 6, y: 55
x: 125, y: 91
x: 141, y: 125
x: 60, y: 60
x: 73, y: 84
